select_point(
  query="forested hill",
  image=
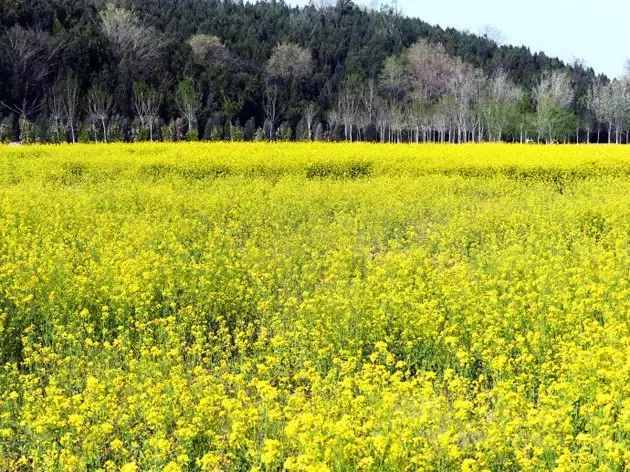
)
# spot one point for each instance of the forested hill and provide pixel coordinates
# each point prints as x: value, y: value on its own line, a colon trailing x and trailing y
x: 223, y: 50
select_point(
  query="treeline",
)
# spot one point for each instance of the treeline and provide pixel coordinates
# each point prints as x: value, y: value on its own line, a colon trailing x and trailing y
x: 133, y: 70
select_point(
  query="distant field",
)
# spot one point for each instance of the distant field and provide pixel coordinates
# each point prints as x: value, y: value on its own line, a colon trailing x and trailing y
x: 321, y: 307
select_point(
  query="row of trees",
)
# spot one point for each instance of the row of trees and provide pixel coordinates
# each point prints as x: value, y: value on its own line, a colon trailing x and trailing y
x: 609, y: 108
x: 142, y: 80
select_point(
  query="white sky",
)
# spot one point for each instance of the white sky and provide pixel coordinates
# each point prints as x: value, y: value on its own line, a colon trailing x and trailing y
x: 597, y: 32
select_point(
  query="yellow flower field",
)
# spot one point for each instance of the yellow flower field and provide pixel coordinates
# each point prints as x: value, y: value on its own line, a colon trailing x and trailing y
x: 321, y: 307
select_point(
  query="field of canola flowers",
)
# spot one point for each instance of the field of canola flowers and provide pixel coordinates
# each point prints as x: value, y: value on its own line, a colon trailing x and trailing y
x: 221, y: 307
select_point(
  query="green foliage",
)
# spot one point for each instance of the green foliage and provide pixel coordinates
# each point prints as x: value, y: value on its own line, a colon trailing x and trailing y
x: 86, y: 134
x: 6, y: 130
x: 168, y: 132
x: 236, y: 131
x: 116, y: 130
x: 28, y: 133
x: 284, y: 132
x: 192, y: 135
x: 339, y: 170
x: 259, y: 135
x: 139, y: 132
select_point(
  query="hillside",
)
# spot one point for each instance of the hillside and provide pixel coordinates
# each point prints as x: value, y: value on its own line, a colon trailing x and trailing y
x: 45, y: 42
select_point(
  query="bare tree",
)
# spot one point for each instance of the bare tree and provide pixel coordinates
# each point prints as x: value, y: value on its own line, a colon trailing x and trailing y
x: 590, y: 117
x: 332, y: 119
x: 321, y: 4
x: 289, y: 61
x: 30, y: 56
x: 462, y: 88
x: 479, y: 91
x: 619, y: 96
x: 288, y: 65
x: 500, y: 104
x: 137, y: 46
x: 610, y: 104
x: 598, y: 102
x: 270, y: 102
x: 441, y: 119
x: 348, y: 105
x: 310, y: 111
x: 55, y: 110
x: 493, y: 33
x: 382, y: 119
x: 430, y: 69
x: 147, y: 105
x: 554, y: 94
x: 368, y: 96
x: 394, y: 85
x: 208, y: 49
x: 394, y: 81
x: 100, y: 105
x: 69, y: 92
x: 397, y: 122
x: 188, y: 99
x: 416, y: 119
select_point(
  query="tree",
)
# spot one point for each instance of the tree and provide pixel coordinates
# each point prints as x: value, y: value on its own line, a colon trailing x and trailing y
x: 136, y: 47
x: 430, y: 69
x: 332, y: 118
x: 188, y: 99
x: 394, y: 85
x: 310, y: 111
x: 131, y: 39
x: 394, y: 81
x: 147, y: 104
x: 272, y: 91
x: 492, y: 33
x: 55, y: 110
x: 5, y: 130
x: 553, y: 95
x: 500, y: 104
x: 619, y: 105
x: 600, y: 103
x: 463, y: 86
x: 368, y: 96
x: 68, y: 90
x: 208, y: 49
x: 382, y: 119
x: 289, y: 62
x: 29, y: 56
x: 348, y: 105
x: 288, y: 65
x: 100, y: 106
